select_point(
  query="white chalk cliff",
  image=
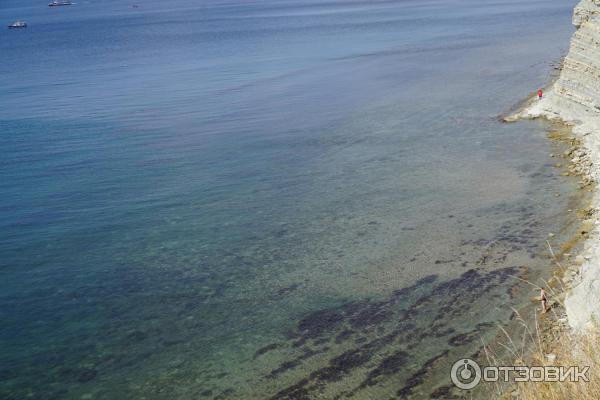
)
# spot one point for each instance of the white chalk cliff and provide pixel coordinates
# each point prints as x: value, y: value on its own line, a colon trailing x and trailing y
x: 575, y: 98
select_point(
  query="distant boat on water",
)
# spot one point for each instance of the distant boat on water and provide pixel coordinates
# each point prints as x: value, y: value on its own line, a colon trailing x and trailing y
x: 58, y: 3
x: 18, y: 24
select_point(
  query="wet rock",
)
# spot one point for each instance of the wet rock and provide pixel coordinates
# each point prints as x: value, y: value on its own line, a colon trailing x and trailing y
x: 283, y: 292
x: 463, y: 338
x: 371, y: 315
x: 443, y: 392
x: 136, y: 336
x: 343, y: 336
x: 86, y: 375
x: 285, y: 366
x: 341, y: 365
x: 388, y: 366
x: 265, y: 349
x: 319, y: 322
x: 297, y: 391
x: 418, y: 377
x: 225, y: 394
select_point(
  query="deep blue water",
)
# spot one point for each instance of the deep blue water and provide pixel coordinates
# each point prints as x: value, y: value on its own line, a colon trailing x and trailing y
x: 218, y: 199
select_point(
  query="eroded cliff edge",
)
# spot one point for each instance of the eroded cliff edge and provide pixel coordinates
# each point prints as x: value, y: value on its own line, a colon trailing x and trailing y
x: 574, y: 98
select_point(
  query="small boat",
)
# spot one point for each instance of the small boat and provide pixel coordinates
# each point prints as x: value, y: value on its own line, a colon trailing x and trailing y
x: 58, y: 3
x: 18, y: 24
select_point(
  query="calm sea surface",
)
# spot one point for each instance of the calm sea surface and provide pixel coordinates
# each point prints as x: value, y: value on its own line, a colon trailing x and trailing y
x: 267, y: 199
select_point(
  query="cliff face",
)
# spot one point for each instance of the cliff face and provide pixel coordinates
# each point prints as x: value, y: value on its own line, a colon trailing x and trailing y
x: 583, y: 11
x: 575, y: 98
x: 579, y: 81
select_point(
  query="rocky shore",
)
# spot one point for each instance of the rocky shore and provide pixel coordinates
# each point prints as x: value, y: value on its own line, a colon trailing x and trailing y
x: 574, y: 99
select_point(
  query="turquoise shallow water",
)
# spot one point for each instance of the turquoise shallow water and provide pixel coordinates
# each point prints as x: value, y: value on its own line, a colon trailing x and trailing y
x: 279, y: 199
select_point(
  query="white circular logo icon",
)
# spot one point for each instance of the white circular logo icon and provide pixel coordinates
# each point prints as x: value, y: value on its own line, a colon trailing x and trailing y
x: 465, y: 374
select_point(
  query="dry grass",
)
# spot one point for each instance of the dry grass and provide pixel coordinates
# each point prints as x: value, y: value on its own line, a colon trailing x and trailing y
x: 549, y: 342
x: 575, y: 350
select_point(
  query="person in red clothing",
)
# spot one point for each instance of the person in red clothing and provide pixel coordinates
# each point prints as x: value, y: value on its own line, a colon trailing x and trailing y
x: 540, y: 93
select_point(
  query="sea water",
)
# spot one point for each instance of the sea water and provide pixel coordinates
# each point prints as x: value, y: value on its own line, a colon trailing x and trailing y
x: 268, y: 199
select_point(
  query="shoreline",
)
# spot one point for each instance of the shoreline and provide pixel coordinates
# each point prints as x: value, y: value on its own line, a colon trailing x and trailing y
x: 515, y: 113
x: 541, y: 336
x: 579, y: 274
x: 568, y: 101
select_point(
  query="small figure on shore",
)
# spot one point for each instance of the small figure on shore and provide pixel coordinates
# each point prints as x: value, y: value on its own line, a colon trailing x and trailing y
x: 540, y: 93
x: 544, y: 300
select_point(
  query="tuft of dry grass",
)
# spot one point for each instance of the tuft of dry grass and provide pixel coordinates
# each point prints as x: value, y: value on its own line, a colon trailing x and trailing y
x: 549, y: 343
x: 574, y: 350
